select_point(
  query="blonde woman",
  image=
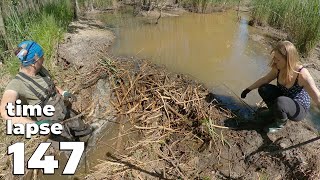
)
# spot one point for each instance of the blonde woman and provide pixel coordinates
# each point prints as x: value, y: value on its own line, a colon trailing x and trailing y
x: 290, y: 98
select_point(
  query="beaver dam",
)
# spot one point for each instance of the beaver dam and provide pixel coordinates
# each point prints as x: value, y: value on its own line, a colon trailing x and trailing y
x: 177, y: 130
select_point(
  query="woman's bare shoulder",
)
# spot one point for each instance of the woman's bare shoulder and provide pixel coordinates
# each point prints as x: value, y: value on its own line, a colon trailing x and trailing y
x: 305, y: 75
x: 305, y: 72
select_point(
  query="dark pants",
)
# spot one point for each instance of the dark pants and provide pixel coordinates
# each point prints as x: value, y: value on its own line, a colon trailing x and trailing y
x: 281, y: 106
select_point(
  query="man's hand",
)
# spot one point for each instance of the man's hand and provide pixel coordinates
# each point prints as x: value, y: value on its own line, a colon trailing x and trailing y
x: 43, y: 122
x: 69, y: 96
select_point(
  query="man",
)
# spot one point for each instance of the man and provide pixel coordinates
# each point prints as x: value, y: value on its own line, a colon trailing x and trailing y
x: 34, y: 86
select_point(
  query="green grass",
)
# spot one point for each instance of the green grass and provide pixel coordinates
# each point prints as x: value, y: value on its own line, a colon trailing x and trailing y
x: 45, y: 26
x: 299, y: 18
x: 208, y: 123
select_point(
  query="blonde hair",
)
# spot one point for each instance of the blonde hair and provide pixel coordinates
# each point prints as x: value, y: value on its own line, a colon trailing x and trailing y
x: 290, y: 53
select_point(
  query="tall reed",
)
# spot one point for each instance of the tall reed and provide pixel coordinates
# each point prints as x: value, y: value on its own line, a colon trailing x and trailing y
x: 299, y: 18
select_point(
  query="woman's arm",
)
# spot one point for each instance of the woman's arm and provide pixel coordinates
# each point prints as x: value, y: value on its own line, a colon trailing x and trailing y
x: 310, y: 86
x: 10, y: 96
x: 265, y: 79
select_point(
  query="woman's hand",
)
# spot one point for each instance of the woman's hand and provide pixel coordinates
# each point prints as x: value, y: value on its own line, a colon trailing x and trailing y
x: 245, y: 92
x: 264, y: 80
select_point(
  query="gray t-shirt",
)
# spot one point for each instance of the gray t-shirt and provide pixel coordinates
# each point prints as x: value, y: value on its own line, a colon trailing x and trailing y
x: 24, y: 93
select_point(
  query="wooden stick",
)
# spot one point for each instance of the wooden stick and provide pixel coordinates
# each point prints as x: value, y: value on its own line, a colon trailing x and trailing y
x: 72, y: 118
x: 176, y: 164
x: 174, y: 111
x: 131, y: 110
x: 295, y: 146
x: 155, y: 127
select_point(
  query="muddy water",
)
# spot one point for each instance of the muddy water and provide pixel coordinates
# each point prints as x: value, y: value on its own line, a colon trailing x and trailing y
x: 214, y: 49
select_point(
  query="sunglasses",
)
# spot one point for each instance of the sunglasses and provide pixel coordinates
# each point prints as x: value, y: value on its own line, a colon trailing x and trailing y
x: 22, y: 55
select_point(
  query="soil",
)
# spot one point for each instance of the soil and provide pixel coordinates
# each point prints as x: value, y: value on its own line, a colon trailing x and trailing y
x: 189, y: 151
x: 83, y: 48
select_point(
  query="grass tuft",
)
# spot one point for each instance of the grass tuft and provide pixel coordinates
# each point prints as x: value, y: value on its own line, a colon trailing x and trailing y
x: 300, y: 19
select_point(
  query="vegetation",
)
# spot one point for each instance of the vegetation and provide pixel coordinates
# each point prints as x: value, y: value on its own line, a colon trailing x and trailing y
x: 300, y: 19
x: 43, y: 22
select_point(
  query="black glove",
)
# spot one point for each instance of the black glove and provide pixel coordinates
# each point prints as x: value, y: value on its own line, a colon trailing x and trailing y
x: 245, y: 92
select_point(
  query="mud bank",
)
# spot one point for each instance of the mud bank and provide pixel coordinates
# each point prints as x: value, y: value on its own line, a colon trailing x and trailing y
x: 188, y: 151
x: 84, y: 46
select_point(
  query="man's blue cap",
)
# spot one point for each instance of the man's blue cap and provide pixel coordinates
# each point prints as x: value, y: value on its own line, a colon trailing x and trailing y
x: 29, y: 50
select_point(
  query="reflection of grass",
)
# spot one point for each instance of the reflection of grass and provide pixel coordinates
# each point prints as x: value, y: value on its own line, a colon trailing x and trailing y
x: 298, y: 18
x: 96, y: 4
x: 201, y: 5
x: 214, y: 135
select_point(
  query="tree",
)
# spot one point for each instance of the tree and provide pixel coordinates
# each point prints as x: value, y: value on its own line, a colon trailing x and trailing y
x: 91, y: 5
x: 2, y: 28
x: 75, y: 9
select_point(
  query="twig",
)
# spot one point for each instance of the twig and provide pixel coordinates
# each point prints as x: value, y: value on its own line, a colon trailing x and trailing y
x: 239, y: 97
x: 176, y: 164
x: 174, y: 111
x: 155, y: 127
x: 295, y: 146
x: 73, y: 118
x: 131, y: 110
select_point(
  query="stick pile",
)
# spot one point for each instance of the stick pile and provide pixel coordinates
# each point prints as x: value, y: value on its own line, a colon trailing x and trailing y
x: 171, y: 114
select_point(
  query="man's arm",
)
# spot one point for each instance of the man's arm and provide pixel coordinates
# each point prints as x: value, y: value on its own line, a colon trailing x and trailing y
x: 10, y: 96
x: 60, y: 91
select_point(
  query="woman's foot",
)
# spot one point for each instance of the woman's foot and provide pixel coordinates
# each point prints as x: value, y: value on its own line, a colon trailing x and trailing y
x: 276, y: 126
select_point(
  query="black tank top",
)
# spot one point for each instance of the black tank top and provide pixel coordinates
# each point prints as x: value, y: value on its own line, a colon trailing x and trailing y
x: 295, y: 92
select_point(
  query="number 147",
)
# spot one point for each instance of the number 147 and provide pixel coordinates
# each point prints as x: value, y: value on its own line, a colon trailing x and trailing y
x: 39, y: 161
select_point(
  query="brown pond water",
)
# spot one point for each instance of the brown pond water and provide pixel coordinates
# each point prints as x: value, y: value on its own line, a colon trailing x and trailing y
x: 214, y: 49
